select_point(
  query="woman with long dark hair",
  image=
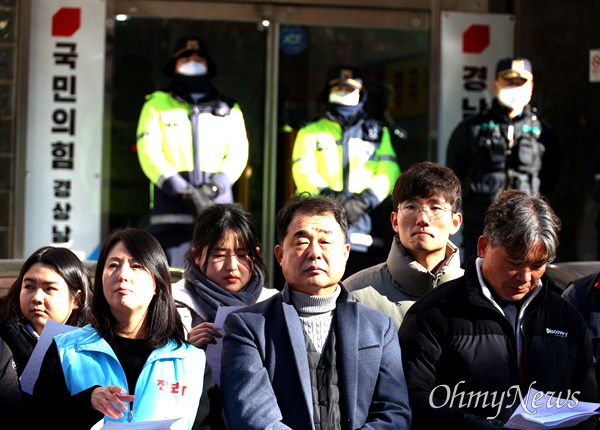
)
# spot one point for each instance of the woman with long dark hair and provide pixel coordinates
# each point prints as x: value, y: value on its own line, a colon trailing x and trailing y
x: 224, y: 267
x: 132, y: 363
x: 53, y: 284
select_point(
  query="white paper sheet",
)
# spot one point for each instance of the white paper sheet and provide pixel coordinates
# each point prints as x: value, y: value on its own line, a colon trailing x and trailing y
x: 142, y: 425
x: 213, y: 351
x: 32, y: 369
x: 543, y: 412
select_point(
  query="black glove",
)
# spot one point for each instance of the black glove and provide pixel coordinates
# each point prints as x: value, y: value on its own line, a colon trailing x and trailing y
x: 360, y: 204
x: 473, y: 422
x: 355, y: 208
x: 210, y: 190
x: 196, y: 200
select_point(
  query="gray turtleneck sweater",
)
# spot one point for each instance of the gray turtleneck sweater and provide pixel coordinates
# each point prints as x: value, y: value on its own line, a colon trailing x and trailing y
x: 316, y: 313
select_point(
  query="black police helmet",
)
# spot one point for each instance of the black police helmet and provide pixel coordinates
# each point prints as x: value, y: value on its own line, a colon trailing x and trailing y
x: 344, y: 75
x: 185, y: 47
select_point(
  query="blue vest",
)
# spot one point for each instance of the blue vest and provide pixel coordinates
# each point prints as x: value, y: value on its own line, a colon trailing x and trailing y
x: 169, y: 386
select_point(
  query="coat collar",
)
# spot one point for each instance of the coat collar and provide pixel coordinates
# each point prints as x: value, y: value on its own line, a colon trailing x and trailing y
x: 412, y: 278
x: 343, y: 297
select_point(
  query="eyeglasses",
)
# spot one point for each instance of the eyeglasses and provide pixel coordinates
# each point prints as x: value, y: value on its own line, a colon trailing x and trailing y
x: 434, y: 209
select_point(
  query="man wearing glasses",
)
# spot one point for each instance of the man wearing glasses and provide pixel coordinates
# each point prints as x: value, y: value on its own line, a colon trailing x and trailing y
x: 474, y: 349
x: 427, y: 198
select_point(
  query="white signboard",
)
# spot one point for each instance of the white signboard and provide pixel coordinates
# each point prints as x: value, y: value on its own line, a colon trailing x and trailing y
x: 64, y: 131
x: 594, y: 65
x: 471, y: 45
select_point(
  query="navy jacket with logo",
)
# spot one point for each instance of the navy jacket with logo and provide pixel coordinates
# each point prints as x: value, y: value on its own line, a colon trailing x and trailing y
x: 455, y: 340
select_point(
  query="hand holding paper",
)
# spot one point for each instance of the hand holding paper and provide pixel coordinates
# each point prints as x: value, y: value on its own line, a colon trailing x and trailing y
x: 32, y: 369
x: 213, y: 352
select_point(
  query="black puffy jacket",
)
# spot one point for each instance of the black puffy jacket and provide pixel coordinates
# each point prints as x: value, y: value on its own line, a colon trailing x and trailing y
x: 455, y: 340
x: 21, y: 342
x: 584, y: 294
x: 10, y: 390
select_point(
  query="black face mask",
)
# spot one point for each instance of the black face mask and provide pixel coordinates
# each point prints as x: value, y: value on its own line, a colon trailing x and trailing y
x: 346, y: 113
x: 192, y: 84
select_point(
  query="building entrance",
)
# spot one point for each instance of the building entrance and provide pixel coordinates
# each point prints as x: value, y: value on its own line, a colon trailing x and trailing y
x: 273, y: 60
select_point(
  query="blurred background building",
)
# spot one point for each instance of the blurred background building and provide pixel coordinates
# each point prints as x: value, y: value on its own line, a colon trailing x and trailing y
x: 272, y: 57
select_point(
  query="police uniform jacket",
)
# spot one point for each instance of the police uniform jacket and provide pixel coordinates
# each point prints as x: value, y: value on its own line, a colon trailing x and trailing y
x: 347, y: 159
x: 182, y: 145
x: 487, y: 160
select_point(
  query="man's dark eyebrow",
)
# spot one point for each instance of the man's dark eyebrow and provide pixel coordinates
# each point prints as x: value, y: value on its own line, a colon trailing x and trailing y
x: 300, y: 233
x: 438, y: 199
x: 541, y: 261
x: 327, y: 232
x: 303, y: 232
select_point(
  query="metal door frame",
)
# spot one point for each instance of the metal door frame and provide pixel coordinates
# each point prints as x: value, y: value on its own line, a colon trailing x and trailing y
x: 275, y: 15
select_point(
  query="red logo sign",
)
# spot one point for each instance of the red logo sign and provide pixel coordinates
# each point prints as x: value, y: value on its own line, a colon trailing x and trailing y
x: 476, y: 38
x: 66, y: 22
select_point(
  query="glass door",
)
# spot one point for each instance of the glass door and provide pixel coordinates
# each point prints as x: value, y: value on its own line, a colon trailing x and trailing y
x: 141, y: 39
x: 272, y: 59
x: 392, y: 49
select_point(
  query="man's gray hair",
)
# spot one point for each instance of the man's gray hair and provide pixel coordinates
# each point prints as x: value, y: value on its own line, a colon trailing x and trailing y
x: 518, y: 221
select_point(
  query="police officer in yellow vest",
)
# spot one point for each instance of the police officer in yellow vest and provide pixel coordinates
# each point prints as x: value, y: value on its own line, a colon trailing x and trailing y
x: 192, y: 146
x: 349, y: 156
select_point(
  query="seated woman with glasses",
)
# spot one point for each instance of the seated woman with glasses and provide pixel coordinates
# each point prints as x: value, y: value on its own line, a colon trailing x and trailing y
x: 427, y: 198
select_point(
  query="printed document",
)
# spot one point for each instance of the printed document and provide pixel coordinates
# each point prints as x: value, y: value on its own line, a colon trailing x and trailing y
x: 32, y: 369
x: 142, y: 425
x: 540, y: 411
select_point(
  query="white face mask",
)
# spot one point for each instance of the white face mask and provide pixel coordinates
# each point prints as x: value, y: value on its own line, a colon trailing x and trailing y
x: 344, y: 97
x: 192, y: 68
x: 515, y: 97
